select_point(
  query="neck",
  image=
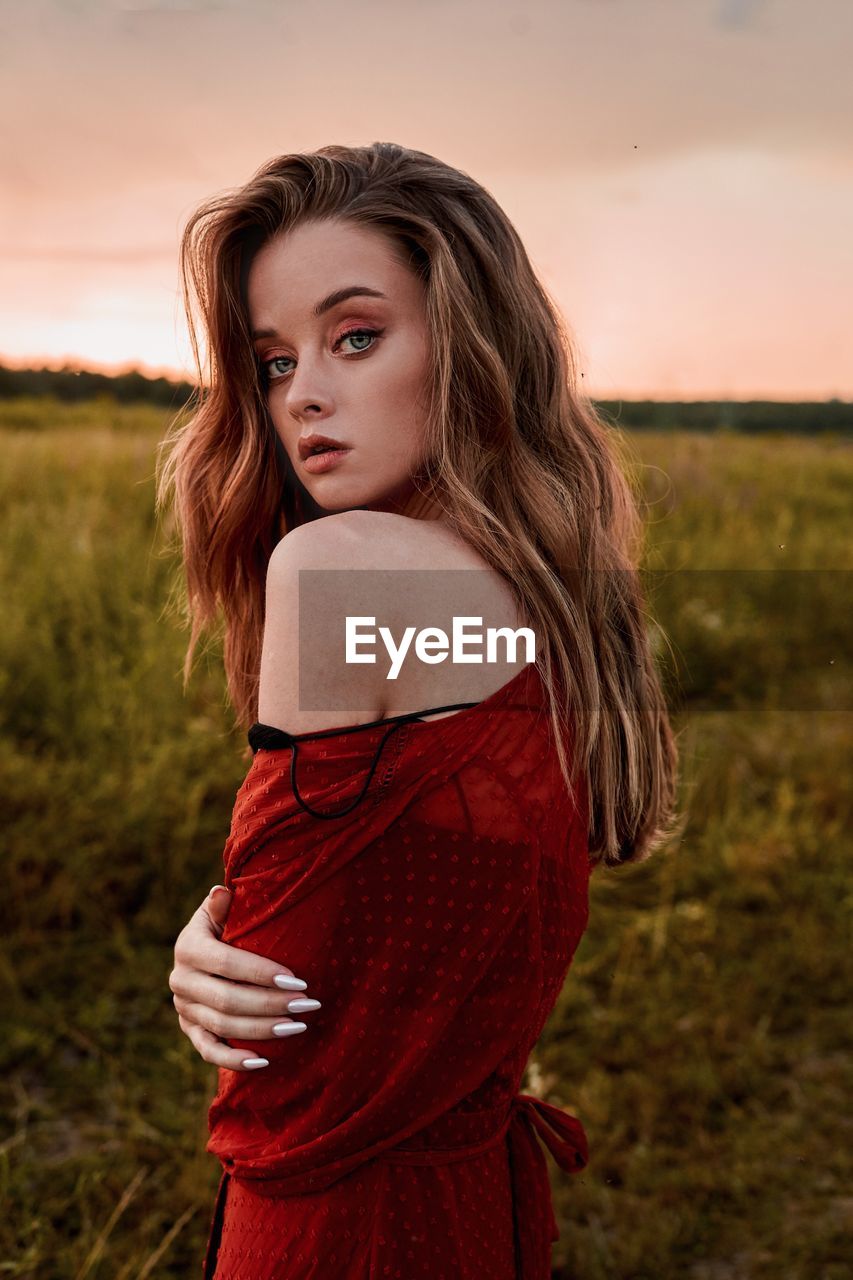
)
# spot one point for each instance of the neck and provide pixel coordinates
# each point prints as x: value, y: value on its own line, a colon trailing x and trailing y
x: 417, y: 506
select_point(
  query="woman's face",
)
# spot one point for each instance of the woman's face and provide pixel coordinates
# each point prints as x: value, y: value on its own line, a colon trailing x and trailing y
x: 354, y: 373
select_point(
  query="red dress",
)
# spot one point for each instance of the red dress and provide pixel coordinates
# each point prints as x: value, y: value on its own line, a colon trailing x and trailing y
x: 435, y: 918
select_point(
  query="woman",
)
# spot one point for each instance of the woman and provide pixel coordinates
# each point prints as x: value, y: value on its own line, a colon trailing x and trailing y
x: 414, y: 854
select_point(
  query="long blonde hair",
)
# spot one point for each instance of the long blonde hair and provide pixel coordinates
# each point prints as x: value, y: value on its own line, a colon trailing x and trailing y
x: 528, y: 472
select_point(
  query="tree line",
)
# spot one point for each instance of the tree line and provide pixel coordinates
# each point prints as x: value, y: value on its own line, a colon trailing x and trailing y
x: 749, y: 416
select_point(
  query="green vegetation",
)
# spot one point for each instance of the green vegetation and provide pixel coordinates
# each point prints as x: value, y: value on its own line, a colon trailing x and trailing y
x: 75, y: 386
x: 70, y: 385
x: 700, y: 1035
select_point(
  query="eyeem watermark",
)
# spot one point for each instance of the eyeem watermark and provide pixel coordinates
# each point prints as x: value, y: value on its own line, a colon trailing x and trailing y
x: 724, y: 639
x: 432, y: 645
x: 357, y: 623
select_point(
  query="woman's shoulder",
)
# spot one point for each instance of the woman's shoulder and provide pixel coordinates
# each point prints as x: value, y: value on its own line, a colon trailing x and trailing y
x: 376, y: 540
x: 426, y: 602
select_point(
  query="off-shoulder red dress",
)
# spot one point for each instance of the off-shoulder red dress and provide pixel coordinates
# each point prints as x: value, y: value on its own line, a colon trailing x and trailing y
x: 429, y: 881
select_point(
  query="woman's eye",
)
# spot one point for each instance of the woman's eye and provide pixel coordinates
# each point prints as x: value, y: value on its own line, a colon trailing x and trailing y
x: 272, y: 375
x: 357, y: 333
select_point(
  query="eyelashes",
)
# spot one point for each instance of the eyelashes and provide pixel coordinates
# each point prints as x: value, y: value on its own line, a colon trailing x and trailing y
x: 357, y: 332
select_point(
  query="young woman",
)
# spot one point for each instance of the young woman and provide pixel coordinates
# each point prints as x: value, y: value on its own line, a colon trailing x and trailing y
x: 408, y: 859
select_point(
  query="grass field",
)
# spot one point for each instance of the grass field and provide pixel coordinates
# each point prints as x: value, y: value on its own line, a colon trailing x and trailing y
x: 703, y: 1033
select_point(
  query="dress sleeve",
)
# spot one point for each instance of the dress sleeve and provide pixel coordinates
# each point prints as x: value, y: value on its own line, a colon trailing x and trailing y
x: 422, y: 940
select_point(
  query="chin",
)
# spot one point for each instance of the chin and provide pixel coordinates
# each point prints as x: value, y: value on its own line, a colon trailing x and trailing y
x: 331, y: 503
x: 344, y: 498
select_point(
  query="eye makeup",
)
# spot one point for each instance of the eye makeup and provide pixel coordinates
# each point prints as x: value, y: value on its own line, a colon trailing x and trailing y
x: 356, y: 330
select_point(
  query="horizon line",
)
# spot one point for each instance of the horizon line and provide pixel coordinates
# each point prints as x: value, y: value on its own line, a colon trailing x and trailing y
x: 171, y: 374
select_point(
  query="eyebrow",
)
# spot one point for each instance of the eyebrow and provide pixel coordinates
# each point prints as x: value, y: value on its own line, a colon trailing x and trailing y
x: 326, y: 304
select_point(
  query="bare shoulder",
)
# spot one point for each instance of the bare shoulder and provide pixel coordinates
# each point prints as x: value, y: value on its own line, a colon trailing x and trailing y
x: 305, y: 684
x: 332, y: 591
x: 374, y: 540
x: 319, y: 543
x: 446, y: 582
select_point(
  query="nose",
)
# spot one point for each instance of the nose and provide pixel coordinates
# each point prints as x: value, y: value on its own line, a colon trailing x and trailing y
x: 302, y: 406
x: 305, y: 394
x: 311, y: 409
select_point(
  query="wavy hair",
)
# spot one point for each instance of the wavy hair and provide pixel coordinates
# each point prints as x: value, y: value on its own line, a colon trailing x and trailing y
x: 526, y: 470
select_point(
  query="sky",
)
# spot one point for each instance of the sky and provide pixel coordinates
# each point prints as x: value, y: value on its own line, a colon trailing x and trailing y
x: 680, y: 171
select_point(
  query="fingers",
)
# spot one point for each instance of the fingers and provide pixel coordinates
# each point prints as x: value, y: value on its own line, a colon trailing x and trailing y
x: 198, y: 947
x: 230, y: 1028
x: 217, y: 905
x: 217, y: 1053
x: 223, y: 992
x: 237, y: 999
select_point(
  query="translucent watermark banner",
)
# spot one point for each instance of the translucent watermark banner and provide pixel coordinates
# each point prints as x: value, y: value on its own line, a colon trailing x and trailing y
x: 722, y: 638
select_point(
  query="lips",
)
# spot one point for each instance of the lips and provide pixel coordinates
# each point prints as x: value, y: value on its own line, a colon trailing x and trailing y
x: 309, y: 445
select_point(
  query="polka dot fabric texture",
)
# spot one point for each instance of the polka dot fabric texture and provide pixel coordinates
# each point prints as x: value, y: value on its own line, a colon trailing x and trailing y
x: 436, y: 920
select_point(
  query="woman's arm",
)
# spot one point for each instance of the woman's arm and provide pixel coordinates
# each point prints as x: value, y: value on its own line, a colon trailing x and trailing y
x: 223, y: 992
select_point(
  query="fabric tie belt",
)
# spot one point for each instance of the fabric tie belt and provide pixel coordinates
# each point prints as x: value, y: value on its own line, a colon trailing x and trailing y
x: 535, y: 1224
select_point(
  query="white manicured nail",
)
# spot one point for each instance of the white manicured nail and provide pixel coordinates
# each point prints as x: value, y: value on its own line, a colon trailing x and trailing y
x: 289, y: 1028
x: 289, y: 984
x: 302, y: 1005
x: 251, y: 1063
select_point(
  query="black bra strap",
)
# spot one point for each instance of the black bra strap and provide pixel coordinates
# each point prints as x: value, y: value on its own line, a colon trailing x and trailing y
x: 266, y: 737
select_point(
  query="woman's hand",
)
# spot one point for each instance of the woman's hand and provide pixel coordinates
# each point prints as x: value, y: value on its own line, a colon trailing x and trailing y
x: 221, y: 991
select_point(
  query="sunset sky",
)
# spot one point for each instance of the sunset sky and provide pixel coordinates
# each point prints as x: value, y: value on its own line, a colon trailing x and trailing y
x: 680, y: 171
